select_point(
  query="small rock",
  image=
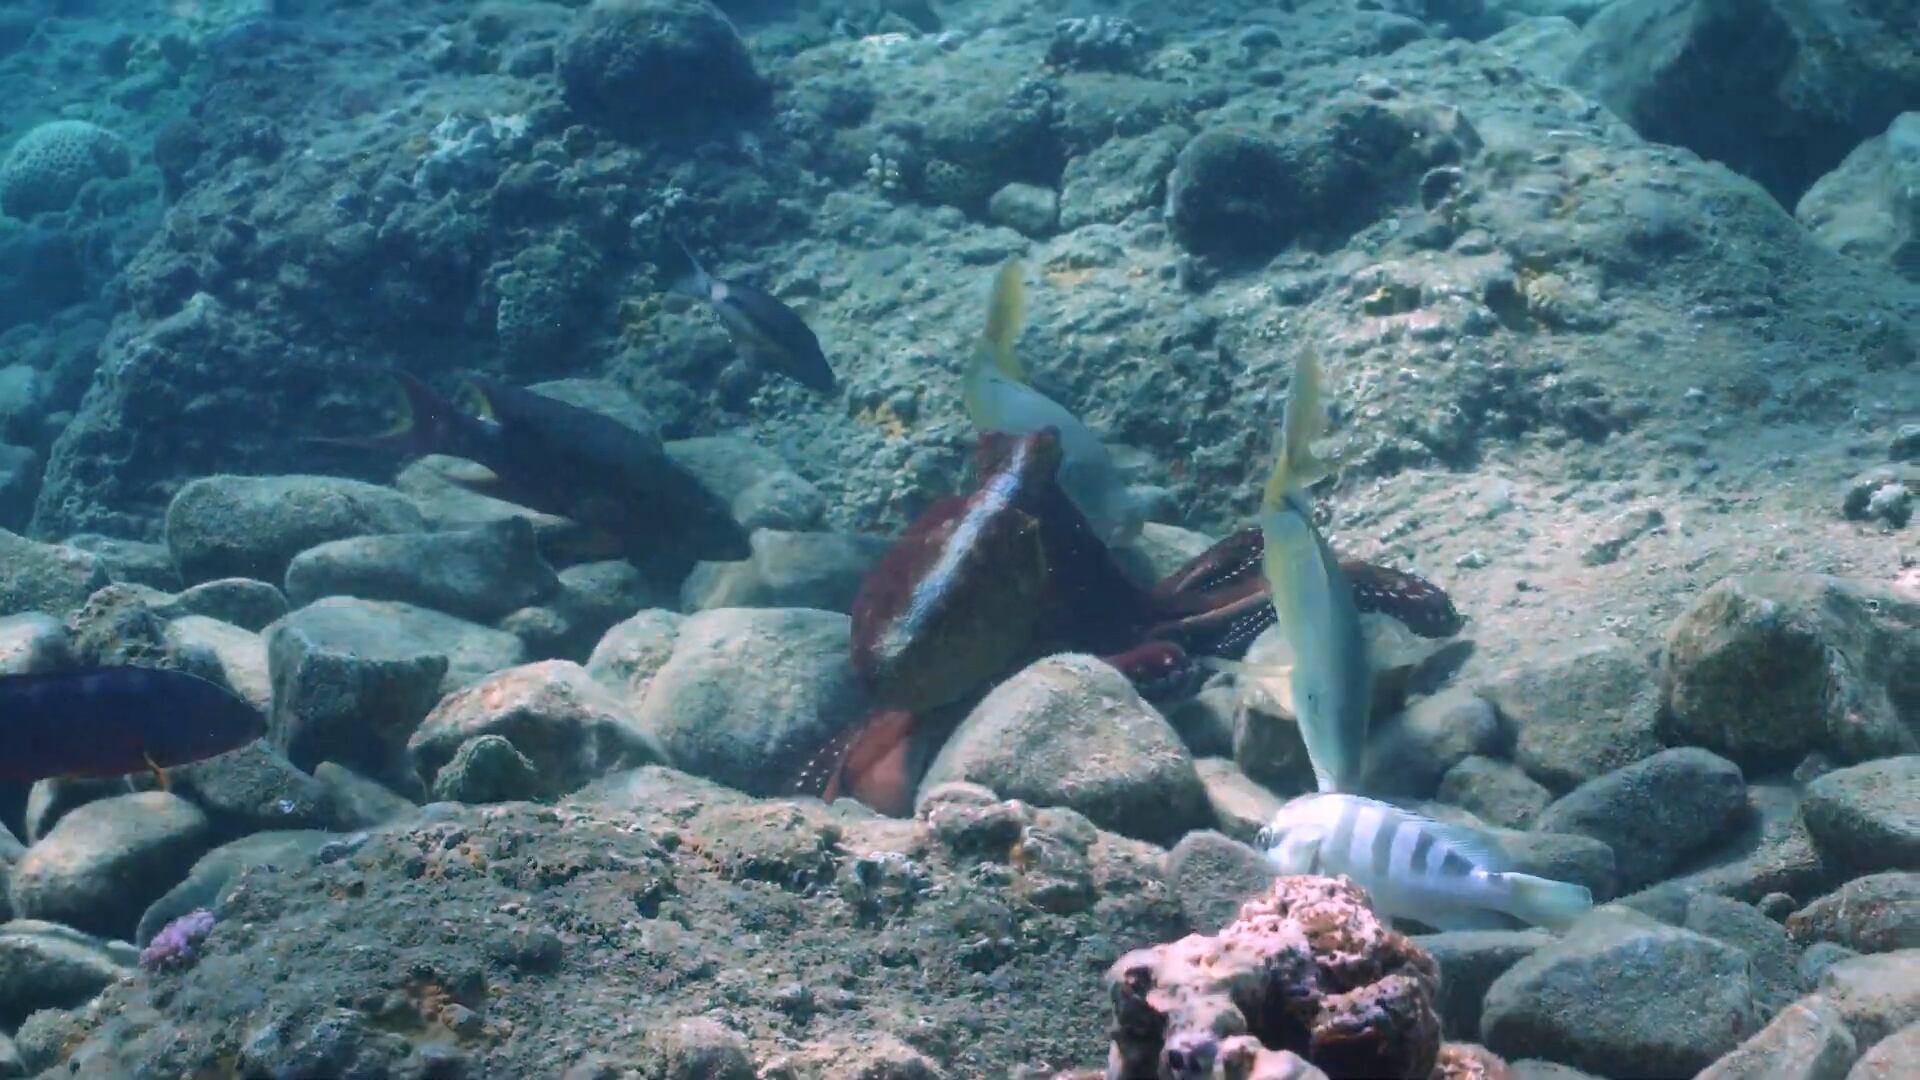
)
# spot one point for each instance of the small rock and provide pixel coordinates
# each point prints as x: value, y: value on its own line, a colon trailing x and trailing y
x: 638, y: 66
x: 1893, y: 1057
x: 570, y: 729
x: 697, y: 1049
x: 1621, y: 966
x: 52, y: 578
x: 55, y: 797
x: 1496, y: 791
x: 1769, y: 851
x: 244, y: 602
x: 1866, y: 818
x: 1470, y: 961
x: 1117, y: 178
x: 253, y: 789
x: 1241, y: 806
x: 131, y: 561
x: 1877, y: 995
x: 47, y: 966
x: 355, y: 802
x: 224, y: 652
x: 46, y: 1037
x: 347, y: 688
x: 480, y: 573
x: 593, y: 598
x: 1027, y: 209
x: 763, y: 492
x: 633, y: 652
x: 1806, y: 1041
x: 1765, y: 668
x: 100, y: 867
x: 1654, y: 813
x: 788, y: 569
x: 1876, y: 913
x: 1820, y: 956
x: 253, y: 526
x: 1579, y: 711
x: 1906, y: 444
x: 1864, y: 207
x: 1775, y: 970
x: 1071, y: 731
x: 1213, y: 875
x: 1883, y: 493
x: 1409, y: 752
x: 749, y: 693
x: 207, y: 882
x: 486, y: 768
x: 32, y: 643
x: 1205, y: 721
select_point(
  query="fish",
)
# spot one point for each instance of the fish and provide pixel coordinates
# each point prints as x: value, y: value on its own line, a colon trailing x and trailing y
x: 558, y: 458
x: 1449, y: 877
x: 769, y: 331
x: 998, y: 398
x: 1330, y: 675
x: 114, y: 721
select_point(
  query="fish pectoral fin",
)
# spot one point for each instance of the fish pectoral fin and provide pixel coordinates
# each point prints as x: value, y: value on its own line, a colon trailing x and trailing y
x: 159, y: 774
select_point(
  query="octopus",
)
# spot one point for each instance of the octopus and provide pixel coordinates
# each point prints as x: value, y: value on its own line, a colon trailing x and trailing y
x: 984, y: 583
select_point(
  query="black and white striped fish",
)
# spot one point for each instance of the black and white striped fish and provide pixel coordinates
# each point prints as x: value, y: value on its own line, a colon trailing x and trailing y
x: 1447, y: 876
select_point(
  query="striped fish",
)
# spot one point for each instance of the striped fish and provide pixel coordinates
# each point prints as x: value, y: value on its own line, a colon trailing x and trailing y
x: 1447, y: 876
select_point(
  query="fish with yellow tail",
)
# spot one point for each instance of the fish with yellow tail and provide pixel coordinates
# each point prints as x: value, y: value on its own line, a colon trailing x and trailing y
x: 1449, y: 877
x: 999, y: 399
x: 1329, y: 678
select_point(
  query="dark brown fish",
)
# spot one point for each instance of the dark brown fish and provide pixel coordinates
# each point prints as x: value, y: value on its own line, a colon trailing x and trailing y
x: 769, y: 331
x: 561, y: 459
x: 114, y: 721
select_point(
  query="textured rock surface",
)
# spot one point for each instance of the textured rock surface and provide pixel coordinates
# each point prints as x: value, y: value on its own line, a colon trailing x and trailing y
x: 1071, y: 731
x: 253, y: 526
x: 1579, y: 711
x: 1867, y: 817
x: 99, y: 868
x: 1654, y: 813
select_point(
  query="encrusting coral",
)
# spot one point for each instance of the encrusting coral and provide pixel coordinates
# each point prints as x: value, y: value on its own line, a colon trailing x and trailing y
x: 1307, y: 982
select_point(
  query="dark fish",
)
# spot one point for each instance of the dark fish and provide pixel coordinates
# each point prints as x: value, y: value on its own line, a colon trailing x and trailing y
x: 571, y: 462
x: 766, y: 328
x: 114, y: 721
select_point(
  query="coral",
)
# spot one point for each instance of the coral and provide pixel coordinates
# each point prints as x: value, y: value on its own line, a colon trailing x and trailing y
x: 1097, y: 42
x: 639, y: 65
x: 51, y: 163
x: 177, y: 945
x: 1306, y: 970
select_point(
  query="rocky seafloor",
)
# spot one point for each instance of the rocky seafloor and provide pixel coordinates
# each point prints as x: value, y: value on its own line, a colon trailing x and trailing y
x: 1619, y: 304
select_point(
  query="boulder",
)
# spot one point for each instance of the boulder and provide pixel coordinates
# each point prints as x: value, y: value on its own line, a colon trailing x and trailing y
x: 1498, y: 792
x: 45, y: 965
x: 1806, y: 1041
x: 1213, y: 875
x: 1866, y: 818
x: 1470, y: 961
x: 1866, y: 207
x: 1877, y: 995
x: 1876, y: 913
x: 51, y: 578
x: 253, y: 526
x: 1654, y: 813
x: 822, y: 571
x: 104, y: 862
x: 480, y: 573
x: 570, y: 729
x: 1578, y: 711
x: 1071, y: 731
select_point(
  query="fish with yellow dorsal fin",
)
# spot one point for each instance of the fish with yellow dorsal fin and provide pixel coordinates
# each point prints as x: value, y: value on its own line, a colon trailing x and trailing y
x: 999, y: 399
x: 1328, y: 678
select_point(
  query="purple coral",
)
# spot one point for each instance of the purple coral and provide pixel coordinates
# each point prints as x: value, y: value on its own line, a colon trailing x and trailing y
x: 177, y: 944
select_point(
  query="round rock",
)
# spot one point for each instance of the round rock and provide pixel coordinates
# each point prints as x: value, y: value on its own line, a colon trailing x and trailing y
x: 1866, y: 818
x: 100, y: 867
x: 1654, y: 813
x: 253, y: 526
x: 568, y: 727
x: 481, y: 573
x: 1071, y: 731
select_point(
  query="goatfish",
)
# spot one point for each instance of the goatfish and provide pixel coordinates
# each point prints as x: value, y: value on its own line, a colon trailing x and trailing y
x: 115, y: 721
x: 1449, y: 877
x: 998, y: 399
x: 561, y: 459
x: 1330, y: 677
x: 766, y: 329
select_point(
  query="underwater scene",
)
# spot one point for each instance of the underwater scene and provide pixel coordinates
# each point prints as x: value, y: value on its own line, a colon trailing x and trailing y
x: 960, y: 539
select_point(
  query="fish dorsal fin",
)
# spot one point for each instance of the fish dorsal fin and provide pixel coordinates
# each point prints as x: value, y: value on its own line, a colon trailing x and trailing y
x: 1295, y: 468
x: 1006, y: 308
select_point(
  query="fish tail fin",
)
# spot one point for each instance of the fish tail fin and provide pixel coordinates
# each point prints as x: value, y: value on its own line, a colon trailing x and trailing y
x: 420, y: 427
x: 1006, y: 308
x: 692, y: 279
x: 1295, y: 468
x: 1543, y: 902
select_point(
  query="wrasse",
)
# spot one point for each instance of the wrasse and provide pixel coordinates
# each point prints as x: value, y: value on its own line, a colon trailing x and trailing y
x: 115, y: 721
x: 558, y: 458
x: 766, y: 329
x: 1447, y: 876
x: 998, y: 399
x: 1331, y: 677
